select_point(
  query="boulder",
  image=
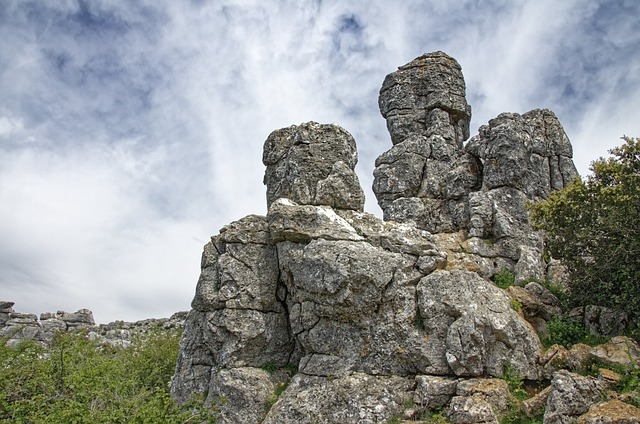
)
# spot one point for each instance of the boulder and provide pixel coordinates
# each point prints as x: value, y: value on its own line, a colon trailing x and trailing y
x: 242, y: 394
x: 434, y: 392
x: 603, y: 321
x: 472, y: 328
x: 611, y: 412
x: 619, y: 351
x: 571, y: 396
x: 374, y: 313
x: 312, y: 164
x: 355, y: 398
x: 425, y: 96
x: 494, y: 391
x: 471, y: 409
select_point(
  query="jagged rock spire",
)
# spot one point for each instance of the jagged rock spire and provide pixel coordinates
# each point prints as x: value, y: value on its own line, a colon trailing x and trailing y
x: 426, y: 96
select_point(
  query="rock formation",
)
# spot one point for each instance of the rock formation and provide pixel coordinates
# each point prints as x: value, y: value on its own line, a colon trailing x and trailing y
x: 320, y: 312
x: 17, y: 327
x: 481, y: 190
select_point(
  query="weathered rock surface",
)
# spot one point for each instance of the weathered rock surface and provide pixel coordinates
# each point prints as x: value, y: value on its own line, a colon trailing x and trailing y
x: 571, y: 396
x: 473, y: 409
x: 375, y: 314
x: 17, y: 327
x: 336, y: 292
x: 611, y: 412
x: 354, y: 398
x: 472, y: 328
x: 428, y: 178
x: 620, y: 351
x: 313, y: 164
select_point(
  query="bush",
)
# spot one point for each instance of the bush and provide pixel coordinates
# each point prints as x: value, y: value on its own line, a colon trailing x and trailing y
x: 593, y: 226
x: 77, y: 381
x: 567, y: 332
x: 504, y: 279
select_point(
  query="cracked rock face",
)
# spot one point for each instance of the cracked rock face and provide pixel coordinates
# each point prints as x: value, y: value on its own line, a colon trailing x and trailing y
x: 320, y: 312
x: 353, y: 303
x: 312, y: 164
x: 430, y: 179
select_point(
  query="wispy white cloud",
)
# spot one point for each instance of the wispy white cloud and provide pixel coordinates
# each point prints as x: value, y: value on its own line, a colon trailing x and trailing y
x: 130, y: 132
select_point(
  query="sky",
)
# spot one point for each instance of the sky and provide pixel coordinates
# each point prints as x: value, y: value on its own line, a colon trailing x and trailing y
x: 132, y: 131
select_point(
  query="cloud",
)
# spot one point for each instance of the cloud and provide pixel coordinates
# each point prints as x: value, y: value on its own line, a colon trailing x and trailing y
x: 131, y: 132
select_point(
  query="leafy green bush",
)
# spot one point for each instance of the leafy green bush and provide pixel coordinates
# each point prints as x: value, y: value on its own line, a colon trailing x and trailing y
x: 77, y: 381
x: 567, y: 332
x: 593, y: 226
x: 504, y: 279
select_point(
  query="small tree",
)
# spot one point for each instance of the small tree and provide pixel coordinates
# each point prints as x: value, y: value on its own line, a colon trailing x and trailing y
x: 593, y: 226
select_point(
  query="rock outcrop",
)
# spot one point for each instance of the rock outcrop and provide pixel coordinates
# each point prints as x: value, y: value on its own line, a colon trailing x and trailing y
x: 320, y: 312
x: 17, y: 327
x: 481, y: 190
x: 313, y: 164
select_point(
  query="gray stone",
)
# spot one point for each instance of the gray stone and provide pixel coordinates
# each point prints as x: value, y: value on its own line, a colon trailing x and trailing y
x: 355, y: 398
x: 312, y: 164
x: 303, y: 223
x: 523, y: 152
x: 80, y: 318
x: 195, y: 360
x: 429, y: 180
x: 361, y: 306
x: 494, y: 391
x: 547, y: 303
x: 473, y: 330
x: 605, y: 322
x: 5, y: 306
x: 433, y: 392
x: 53, y: 324
x: 536, y: 301
x: 427, y: 93
x: 570, y: 397
x: 473, y: 409
x: 242, y: 394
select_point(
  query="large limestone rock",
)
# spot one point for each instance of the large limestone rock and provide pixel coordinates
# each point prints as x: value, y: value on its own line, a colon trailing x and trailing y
x: 356, y: 398
x: 18, y: 326
x: 313, y: 164
x: 430, y: 179
x: 356, y: 304
x: 571, y: 396
x: 472, y: 328
x: 426, y: 96
x: 374, y: 313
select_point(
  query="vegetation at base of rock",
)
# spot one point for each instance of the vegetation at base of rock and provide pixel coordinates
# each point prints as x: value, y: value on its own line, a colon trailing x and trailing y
x: 504, y: 279
x: 76, y: 380
x: 593, y: 226
x: 566, y: 332
x: 269, y: 367
x: 515, y: 415
x: 628, y: 384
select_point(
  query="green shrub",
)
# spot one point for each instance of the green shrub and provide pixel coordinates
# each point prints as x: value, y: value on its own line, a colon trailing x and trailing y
x: 504, y: 279
x: 77, y: 381
x: 593, y: 226
x: 567, y: 332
